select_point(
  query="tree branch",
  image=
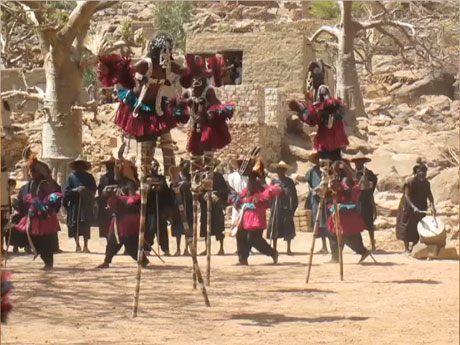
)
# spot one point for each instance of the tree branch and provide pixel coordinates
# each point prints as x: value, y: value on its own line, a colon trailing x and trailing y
x: 384, y: 22
x: 331, y: 30
x: 28, y: 96
x: 78, y: 19
x: 104, y: 5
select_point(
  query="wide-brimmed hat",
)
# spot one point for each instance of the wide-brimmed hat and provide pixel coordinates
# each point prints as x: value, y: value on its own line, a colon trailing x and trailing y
x: 282, y: 165
x: 313, y: 158
x: 362, y: 158
x: 80, y: 159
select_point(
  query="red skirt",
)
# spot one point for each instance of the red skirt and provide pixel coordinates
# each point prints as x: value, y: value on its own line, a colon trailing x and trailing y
x: 40, y: 226
x: 330, y: 139
x: 147, y: 125
x: 351, y: 222
x: 213, y: 135
x: 128, y: 224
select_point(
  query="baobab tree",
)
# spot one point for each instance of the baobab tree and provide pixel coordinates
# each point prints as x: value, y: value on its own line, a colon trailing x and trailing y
x: 345, y: 33
x: 62, y: 44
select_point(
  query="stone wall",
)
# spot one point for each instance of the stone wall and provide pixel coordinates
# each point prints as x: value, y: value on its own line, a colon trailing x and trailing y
x: 12, y: 80
x: 259, y: 119
x: 270, y: 59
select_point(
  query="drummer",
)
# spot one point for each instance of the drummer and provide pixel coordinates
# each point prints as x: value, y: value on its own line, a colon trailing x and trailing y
x: 413, y: 206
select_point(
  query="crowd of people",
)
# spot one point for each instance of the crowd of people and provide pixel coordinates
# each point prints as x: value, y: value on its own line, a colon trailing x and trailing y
x: 149, y: 108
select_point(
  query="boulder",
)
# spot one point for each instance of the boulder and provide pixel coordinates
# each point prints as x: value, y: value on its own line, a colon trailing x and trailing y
x: 445, y: 186
x: 448, y: 253
x: 440, y: 83
x: 299, y: 152
x: 422, y: 251
x: 390, y: 182
x: 357, y: 145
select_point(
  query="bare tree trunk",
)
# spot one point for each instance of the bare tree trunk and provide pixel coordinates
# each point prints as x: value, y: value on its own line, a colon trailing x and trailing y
x: 62, y: 130
x: 347, y: 77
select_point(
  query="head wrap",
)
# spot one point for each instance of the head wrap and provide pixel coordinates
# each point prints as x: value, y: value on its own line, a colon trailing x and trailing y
x: 419, y: 167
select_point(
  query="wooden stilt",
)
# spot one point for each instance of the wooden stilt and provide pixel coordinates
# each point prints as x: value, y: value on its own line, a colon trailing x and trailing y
x: 315, y: 235
x: 146, y: 155
x: 209, y: 158
x: 338, y: 232
x: 188, y: 236
x: 196, y: 181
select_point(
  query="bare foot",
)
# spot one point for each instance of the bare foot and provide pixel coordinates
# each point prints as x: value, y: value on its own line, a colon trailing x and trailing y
x: 47, y: 268
x: 78, y: 249
x: 289, y: 252
x: 204, y: 252
x: 186, y: 253
x: 221, y: 252
x: 103, y: 265
x: 86, y: 250
x: 177, y: 253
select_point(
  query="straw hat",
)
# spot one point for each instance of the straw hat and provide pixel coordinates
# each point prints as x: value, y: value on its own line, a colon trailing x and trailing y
x: 80, y: 159
x: 282, y: 165
x: 360, y: 157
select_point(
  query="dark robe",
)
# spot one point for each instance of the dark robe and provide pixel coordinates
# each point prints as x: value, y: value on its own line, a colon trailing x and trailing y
x: 71, y: 202
x: 407, y: 220
x: 366, y: 204
x: 104, y: 215
x: 313, y: 177
x: 177, y: 226
x: 221, y: 190
x: 165, y: 204
x: 281, y: 222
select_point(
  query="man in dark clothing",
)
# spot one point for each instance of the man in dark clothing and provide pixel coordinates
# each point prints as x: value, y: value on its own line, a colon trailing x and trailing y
x: 281, y: 223
x: 79, y: 192
x: 104, y: 216
x: 417, y: 192
x: 313, y: 177
x: 367, y: 184
x: 160, y: 192
x: 185, y: 182
x: 219, y: 202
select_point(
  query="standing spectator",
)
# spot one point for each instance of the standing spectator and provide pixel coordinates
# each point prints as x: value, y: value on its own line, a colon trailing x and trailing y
x: 79, y: 192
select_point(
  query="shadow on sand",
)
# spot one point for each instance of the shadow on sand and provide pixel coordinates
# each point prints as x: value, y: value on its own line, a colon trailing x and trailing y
x: 270, y: 319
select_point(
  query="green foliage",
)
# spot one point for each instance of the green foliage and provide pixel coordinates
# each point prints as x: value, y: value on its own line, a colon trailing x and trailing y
x: 59, y: 11
x: 325, y: 10
x: 126, y: 29
x: 170, y: 17
x: 89, y: 76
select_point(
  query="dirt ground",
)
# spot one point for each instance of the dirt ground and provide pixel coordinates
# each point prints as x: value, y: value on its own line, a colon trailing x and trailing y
x: 398, y: 301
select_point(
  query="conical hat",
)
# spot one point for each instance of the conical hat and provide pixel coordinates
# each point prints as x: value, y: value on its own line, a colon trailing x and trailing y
x: 80, y: 159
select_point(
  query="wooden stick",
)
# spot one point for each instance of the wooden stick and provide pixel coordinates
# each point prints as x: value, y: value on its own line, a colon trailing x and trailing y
x: 195, y: 172
x: 78, y: 219
x: 158, y: 224
x: 338, y: 232
x: 209, y: 157
x: 315, y: 234
x: 188, y: 235
x: 145, y: 164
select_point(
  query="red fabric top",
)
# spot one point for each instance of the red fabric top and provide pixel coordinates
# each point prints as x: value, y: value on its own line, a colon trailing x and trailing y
x: 351, y: 221
x: 327, y: 139
x: 254, y: 216
x: 127, y: 211
x: 43, y: 218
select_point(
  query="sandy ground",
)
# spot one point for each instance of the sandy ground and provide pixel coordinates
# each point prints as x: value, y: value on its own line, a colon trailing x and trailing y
x: 399, y: 301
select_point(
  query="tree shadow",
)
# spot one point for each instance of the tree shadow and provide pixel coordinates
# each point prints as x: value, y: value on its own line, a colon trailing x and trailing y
x: 270, y: 319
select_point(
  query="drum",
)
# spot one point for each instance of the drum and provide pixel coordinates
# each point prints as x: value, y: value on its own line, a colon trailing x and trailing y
x: 431, y: 231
